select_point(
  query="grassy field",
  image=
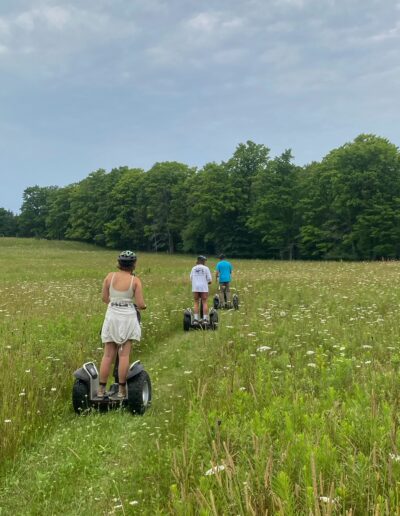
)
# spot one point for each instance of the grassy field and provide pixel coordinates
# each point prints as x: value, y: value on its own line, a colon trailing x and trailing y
x: 291, y: 406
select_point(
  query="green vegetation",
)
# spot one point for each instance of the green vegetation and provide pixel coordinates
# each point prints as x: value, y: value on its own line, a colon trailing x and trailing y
x: 345, y: 207
x: 294, y: 397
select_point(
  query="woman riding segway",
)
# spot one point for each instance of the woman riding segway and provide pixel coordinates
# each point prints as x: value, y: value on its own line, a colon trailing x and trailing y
x: 121, y: 325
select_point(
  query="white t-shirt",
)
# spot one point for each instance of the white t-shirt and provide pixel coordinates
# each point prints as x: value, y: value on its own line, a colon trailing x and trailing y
x: 200, y: 277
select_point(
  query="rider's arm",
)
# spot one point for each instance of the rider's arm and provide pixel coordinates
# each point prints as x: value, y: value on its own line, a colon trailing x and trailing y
x: 105, y: 294
x: 139, y: 295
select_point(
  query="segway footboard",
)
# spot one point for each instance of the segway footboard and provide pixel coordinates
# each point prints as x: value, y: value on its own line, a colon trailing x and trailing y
x: 190, y: 323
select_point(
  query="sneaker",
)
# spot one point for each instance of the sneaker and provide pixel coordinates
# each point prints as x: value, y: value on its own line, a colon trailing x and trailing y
x: 121, y: 392
x: 101, y: 391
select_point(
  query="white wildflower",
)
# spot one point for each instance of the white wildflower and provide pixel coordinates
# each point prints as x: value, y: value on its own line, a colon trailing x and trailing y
x: 214, y: 470
x: 311, y: 364
x: 263, y: 348
x: 326, y: 499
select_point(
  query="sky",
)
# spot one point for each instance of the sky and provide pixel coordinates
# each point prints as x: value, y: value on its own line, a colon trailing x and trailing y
x: 89, y: 84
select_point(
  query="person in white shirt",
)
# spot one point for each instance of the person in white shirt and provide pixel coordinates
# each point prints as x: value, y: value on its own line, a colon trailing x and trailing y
x: 201, y: 278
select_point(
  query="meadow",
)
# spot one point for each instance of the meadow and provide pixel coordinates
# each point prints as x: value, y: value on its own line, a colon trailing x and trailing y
x: 290, y: 407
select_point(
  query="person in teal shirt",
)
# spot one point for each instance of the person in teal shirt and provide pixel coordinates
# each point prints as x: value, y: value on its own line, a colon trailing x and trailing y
x: 223, y: 273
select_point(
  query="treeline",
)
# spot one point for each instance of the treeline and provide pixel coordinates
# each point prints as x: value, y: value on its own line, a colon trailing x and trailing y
x: 345, y: 207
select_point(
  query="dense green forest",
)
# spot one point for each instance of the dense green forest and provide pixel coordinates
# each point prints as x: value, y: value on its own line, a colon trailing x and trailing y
x: 345, y: 207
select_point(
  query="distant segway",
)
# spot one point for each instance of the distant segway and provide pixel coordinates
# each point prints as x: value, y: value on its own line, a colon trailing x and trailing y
x: 227, y: 305
x: 190, y: 323
x: 138, y: 387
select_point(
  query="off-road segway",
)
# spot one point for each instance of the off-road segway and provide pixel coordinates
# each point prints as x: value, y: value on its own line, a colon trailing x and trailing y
x: 190, y: 323
x: 228, y: 305
x: 138, y: 387
x: 84, y: 391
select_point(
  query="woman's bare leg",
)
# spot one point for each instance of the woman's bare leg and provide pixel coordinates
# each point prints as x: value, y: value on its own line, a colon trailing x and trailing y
x: 196, y: 303
x: 110, y: 352
x: 123, y: 366
x: 204, y: 297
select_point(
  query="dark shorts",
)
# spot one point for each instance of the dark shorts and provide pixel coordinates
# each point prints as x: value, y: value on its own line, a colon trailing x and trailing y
x: 200, y: 295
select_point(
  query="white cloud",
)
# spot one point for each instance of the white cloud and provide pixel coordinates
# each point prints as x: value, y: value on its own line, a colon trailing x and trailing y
x: 205, y: 22
x: 4, y: 26
x: 202, y: 38
x: 160, y: 55
x: 220, y: 23
x: 291, y: 3
x: 26, y: 20
x: 54, y: 33
x: 57, y: 17
x: 281, y: 55
x: 389, y: 33
x: 229, y: 56
x: 51, y: 17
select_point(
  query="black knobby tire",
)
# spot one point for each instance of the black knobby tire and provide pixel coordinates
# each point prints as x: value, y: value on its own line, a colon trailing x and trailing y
x: 187, y: 321
x: 139, y: 393
x: 235, y: 301
x: 216, y: 302
x: 80, y: 396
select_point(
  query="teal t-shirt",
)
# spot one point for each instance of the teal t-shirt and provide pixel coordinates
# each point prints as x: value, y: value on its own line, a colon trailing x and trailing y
x: 225, y: 269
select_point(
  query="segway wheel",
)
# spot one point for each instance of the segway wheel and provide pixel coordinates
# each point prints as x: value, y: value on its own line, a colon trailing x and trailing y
x: 216, y: 301
x: 187, y: 321
x: 213, y: 319
x: 80, y: 396
x: 139, y: 393
x: 235, y: 301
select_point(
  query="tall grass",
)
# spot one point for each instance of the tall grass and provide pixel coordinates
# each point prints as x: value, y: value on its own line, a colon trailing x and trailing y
x: 291, y: 407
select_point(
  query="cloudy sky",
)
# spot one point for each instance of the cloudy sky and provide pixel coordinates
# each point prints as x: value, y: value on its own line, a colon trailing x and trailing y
x: 87, y: 84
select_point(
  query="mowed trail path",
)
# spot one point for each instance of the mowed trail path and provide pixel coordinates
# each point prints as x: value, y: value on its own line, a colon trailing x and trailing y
x: 101, y: 463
